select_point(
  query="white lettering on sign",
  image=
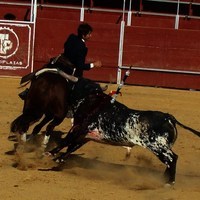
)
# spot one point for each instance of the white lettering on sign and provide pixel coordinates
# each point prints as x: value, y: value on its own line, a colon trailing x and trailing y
x: 5, y: 43
x: 9, y: 42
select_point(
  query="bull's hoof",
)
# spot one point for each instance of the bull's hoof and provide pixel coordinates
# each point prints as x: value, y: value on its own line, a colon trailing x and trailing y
x: 48, y: 154
x: 31, y: 138
x: 59, y: 160
x: 169, y: 185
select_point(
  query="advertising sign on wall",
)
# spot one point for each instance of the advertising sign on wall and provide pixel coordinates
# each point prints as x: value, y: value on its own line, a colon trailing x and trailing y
x: 15, y: 46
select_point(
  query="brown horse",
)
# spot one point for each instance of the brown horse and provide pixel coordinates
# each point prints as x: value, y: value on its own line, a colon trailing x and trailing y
x: 52, y: 96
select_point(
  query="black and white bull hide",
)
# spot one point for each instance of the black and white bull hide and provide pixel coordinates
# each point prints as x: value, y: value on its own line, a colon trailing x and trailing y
x: 99, y: 120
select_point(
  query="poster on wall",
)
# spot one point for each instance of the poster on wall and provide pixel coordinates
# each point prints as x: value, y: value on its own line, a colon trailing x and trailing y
x: 15, y: 48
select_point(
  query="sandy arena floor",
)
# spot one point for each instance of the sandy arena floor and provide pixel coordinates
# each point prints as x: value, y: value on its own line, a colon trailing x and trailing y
x: 97, y: 171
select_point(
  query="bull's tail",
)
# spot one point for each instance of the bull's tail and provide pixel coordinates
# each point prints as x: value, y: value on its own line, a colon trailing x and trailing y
x: 175, y: 121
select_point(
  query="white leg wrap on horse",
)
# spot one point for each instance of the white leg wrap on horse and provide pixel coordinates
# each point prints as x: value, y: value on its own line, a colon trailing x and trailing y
x: 46, y: 139
x: 72, y: 121
x: 23, y: 137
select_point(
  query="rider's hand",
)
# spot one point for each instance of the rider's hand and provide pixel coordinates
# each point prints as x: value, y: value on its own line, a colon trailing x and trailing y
x: 97, y: 63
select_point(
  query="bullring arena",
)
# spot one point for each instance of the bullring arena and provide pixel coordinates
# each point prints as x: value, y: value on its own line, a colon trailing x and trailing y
x: 165, y: 76
x: 98, y: 171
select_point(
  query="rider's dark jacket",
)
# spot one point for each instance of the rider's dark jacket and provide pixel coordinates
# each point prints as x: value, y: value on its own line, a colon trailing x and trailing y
x: 75, y: 51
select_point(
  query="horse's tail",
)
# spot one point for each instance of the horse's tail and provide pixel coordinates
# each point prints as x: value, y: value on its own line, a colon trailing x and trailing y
x: 27, y: 78
x: 17, y: 124
x: 175, y: 121
x: 22, y: 123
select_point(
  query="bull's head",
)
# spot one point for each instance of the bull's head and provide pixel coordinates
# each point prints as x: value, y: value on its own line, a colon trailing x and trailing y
x: 85, y: 87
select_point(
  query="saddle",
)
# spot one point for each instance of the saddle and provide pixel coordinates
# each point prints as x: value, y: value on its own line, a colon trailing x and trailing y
x: 62, y: 63
x: 59, y: 64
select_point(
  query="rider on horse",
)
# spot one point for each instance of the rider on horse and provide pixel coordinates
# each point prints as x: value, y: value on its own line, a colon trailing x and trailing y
x: 72, y: 61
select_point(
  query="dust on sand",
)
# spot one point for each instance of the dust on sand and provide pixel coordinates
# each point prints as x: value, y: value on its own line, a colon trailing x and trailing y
x: 98, y: 171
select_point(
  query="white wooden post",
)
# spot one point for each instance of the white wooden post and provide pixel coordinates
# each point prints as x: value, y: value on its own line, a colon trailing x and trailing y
x: 121, y: 44
x: 177, y: 16
x: 129, y: 14
x: 82, y: 12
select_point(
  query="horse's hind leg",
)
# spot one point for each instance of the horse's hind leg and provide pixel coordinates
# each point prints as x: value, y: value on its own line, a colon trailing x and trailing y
x: 50, y: 127
x: 21, y: 124
x: 39, y: 126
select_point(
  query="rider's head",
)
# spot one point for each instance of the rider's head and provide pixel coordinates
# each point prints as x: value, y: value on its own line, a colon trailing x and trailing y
x: 84, y: 31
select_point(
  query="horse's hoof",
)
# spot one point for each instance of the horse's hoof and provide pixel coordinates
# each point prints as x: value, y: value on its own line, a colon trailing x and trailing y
x: 12, y: 138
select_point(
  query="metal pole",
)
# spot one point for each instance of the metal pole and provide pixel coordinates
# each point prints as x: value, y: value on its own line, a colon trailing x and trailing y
x: 121, y: 43
x: 31, y: 13
x: 129, y: 14
x: 35, y: 11
x: 82, y: 12
x: 33, y: 16
x: 177, y: 16
x: 123, y: 10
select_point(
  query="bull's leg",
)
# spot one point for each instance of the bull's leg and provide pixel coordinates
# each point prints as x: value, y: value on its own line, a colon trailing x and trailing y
x: 169, y: 158
x: 64, y: 143
x: 75, y: 137
x: 71, y: 148
x: 170, y: 171
x: 128, y: 152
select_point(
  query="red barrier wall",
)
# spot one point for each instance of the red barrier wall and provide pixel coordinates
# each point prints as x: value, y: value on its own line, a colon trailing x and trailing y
x: 151, y: 42
x: 103, y: 45
x: 162, y: 48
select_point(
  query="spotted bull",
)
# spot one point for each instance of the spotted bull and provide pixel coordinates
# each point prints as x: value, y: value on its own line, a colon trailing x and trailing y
x: 97, y: 119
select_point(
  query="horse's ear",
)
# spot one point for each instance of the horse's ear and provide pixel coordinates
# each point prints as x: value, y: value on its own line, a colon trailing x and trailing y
x: 27, y: 77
